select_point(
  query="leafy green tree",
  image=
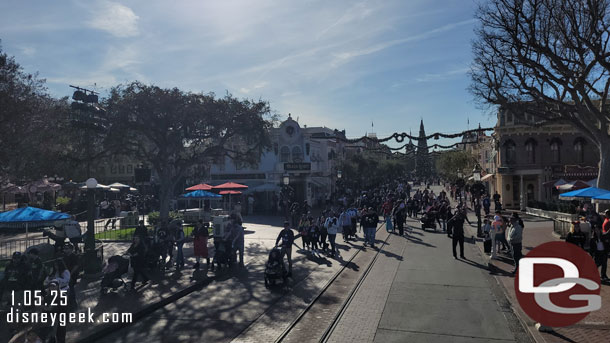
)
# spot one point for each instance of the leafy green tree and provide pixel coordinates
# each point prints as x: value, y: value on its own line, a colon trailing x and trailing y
x: 30, y: 124
x: 172, y: 130
x: 449, y: 163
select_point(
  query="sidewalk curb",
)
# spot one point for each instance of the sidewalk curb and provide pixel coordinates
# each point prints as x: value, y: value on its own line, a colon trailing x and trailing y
x: 531, y: 331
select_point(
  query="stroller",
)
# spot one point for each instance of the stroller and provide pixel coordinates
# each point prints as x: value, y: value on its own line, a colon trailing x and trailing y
x: 428, y: 220
x: 113, y: 273
x: 223, y: 253
x: 275, y: 268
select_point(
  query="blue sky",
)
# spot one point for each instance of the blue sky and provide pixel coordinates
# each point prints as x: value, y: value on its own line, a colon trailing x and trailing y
x: 341, y: 64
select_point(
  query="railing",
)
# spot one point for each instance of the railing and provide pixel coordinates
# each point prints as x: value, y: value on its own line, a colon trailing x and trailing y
x: 8, y: 248
x: 124, y: 233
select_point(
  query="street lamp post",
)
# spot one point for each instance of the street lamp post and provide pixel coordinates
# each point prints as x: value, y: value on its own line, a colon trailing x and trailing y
x: 92, y: 264
x: 286, y: 191
x: 476, y: 176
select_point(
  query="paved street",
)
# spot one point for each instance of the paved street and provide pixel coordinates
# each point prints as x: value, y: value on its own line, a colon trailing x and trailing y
x: 417, y: 292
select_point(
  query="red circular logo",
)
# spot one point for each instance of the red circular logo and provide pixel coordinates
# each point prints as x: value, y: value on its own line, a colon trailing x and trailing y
x: 558, y: 284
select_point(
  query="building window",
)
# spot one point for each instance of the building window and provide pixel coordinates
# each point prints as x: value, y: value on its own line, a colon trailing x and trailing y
x: 579, y: 145
x: 285, y: 154
x: 121, y: 169
x: 113, y: 169
x: 129, y: 169
x: 556, y: 151
x: 509, y: 117
x: 530, y: 149
x: 510, y: 152
x: 297, y: 154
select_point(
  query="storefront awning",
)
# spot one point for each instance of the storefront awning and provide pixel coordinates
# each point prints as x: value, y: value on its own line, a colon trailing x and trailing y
x: 487, y: 177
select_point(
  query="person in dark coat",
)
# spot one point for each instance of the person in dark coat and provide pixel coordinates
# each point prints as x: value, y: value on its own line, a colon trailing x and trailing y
x: 15, y: 275
x: 286, y: 237
x: 457, y: 224
x: 138, y: 261
x: 599, y: 247
x: 575, y: 236
x: 141, y: 231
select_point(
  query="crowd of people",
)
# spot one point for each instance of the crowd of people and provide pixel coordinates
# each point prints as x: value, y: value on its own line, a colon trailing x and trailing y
x: 355, y: 215
x: 51, y: 279
x: 597, y: 240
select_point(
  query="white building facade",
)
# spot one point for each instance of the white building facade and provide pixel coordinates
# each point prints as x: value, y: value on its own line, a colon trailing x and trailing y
x: 309, y: 157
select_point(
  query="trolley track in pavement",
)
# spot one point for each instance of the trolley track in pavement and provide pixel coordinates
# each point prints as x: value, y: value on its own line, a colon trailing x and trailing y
x: 316, y: 321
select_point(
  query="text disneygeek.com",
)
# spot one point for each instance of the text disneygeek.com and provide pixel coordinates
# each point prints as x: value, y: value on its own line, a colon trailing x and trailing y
x: 15, y: 316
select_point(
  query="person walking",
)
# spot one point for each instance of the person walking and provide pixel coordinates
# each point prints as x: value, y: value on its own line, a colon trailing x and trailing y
x: 238, y: 241
x: 286, y: 236
x: 323, y: 232
x: 180, y: 239
x: 606, y: 224
x: 515, y: 238
x: 200, y: 243
x: 141, y: 231
x: 496, y: 228
x: 346, y: 223
x: 486, y: 204
x: 369, y: 223
x: 599, y: 246
x: 137, y: 253
x: 74, y: 265
x: 457, y: 224
x: 332, y: 229
x: 400, y: 217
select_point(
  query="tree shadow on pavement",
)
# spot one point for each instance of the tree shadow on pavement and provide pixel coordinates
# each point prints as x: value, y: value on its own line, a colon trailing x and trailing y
x: 473, y: 263
x: 416, y: 240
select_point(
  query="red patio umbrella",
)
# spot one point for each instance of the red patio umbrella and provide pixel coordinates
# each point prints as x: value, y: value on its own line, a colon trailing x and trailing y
x: 231, y: 185
x: 200, y: 187
x: 229, y: 192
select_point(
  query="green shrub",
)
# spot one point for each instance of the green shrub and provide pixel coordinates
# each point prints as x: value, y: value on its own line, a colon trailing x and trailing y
x: 62, y: 201
x: 153, y: 217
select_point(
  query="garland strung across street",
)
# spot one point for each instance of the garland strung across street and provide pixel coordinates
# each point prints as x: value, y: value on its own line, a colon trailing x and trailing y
x: 400, y: 137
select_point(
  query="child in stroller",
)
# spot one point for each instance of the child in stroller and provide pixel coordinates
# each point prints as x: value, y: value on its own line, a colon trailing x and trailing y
x: 275, y: 268
x: 113, y: 272
x: 429, y: 220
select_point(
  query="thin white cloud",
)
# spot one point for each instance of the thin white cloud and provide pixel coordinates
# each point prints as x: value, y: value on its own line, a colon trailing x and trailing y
x: 442, y: 76
x: 28, y: 50
x: 116, y: 19
x: 346, y: 56
x: 256, y: 86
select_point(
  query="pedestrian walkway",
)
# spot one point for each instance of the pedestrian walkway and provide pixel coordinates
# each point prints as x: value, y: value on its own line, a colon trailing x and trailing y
x: 237, y: 306
x: 260, y: 235
x: 417, y: 292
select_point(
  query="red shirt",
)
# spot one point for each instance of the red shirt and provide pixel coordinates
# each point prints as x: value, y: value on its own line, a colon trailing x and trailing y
x: 606, y: 225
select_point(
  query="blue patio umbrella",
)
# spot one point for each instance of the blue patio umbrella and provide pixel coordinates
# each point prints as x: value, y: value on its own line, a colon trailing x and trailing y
x: 585, y: 193
x: 200, y: 195
x: 604, y: 198
x: 31, y: 217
